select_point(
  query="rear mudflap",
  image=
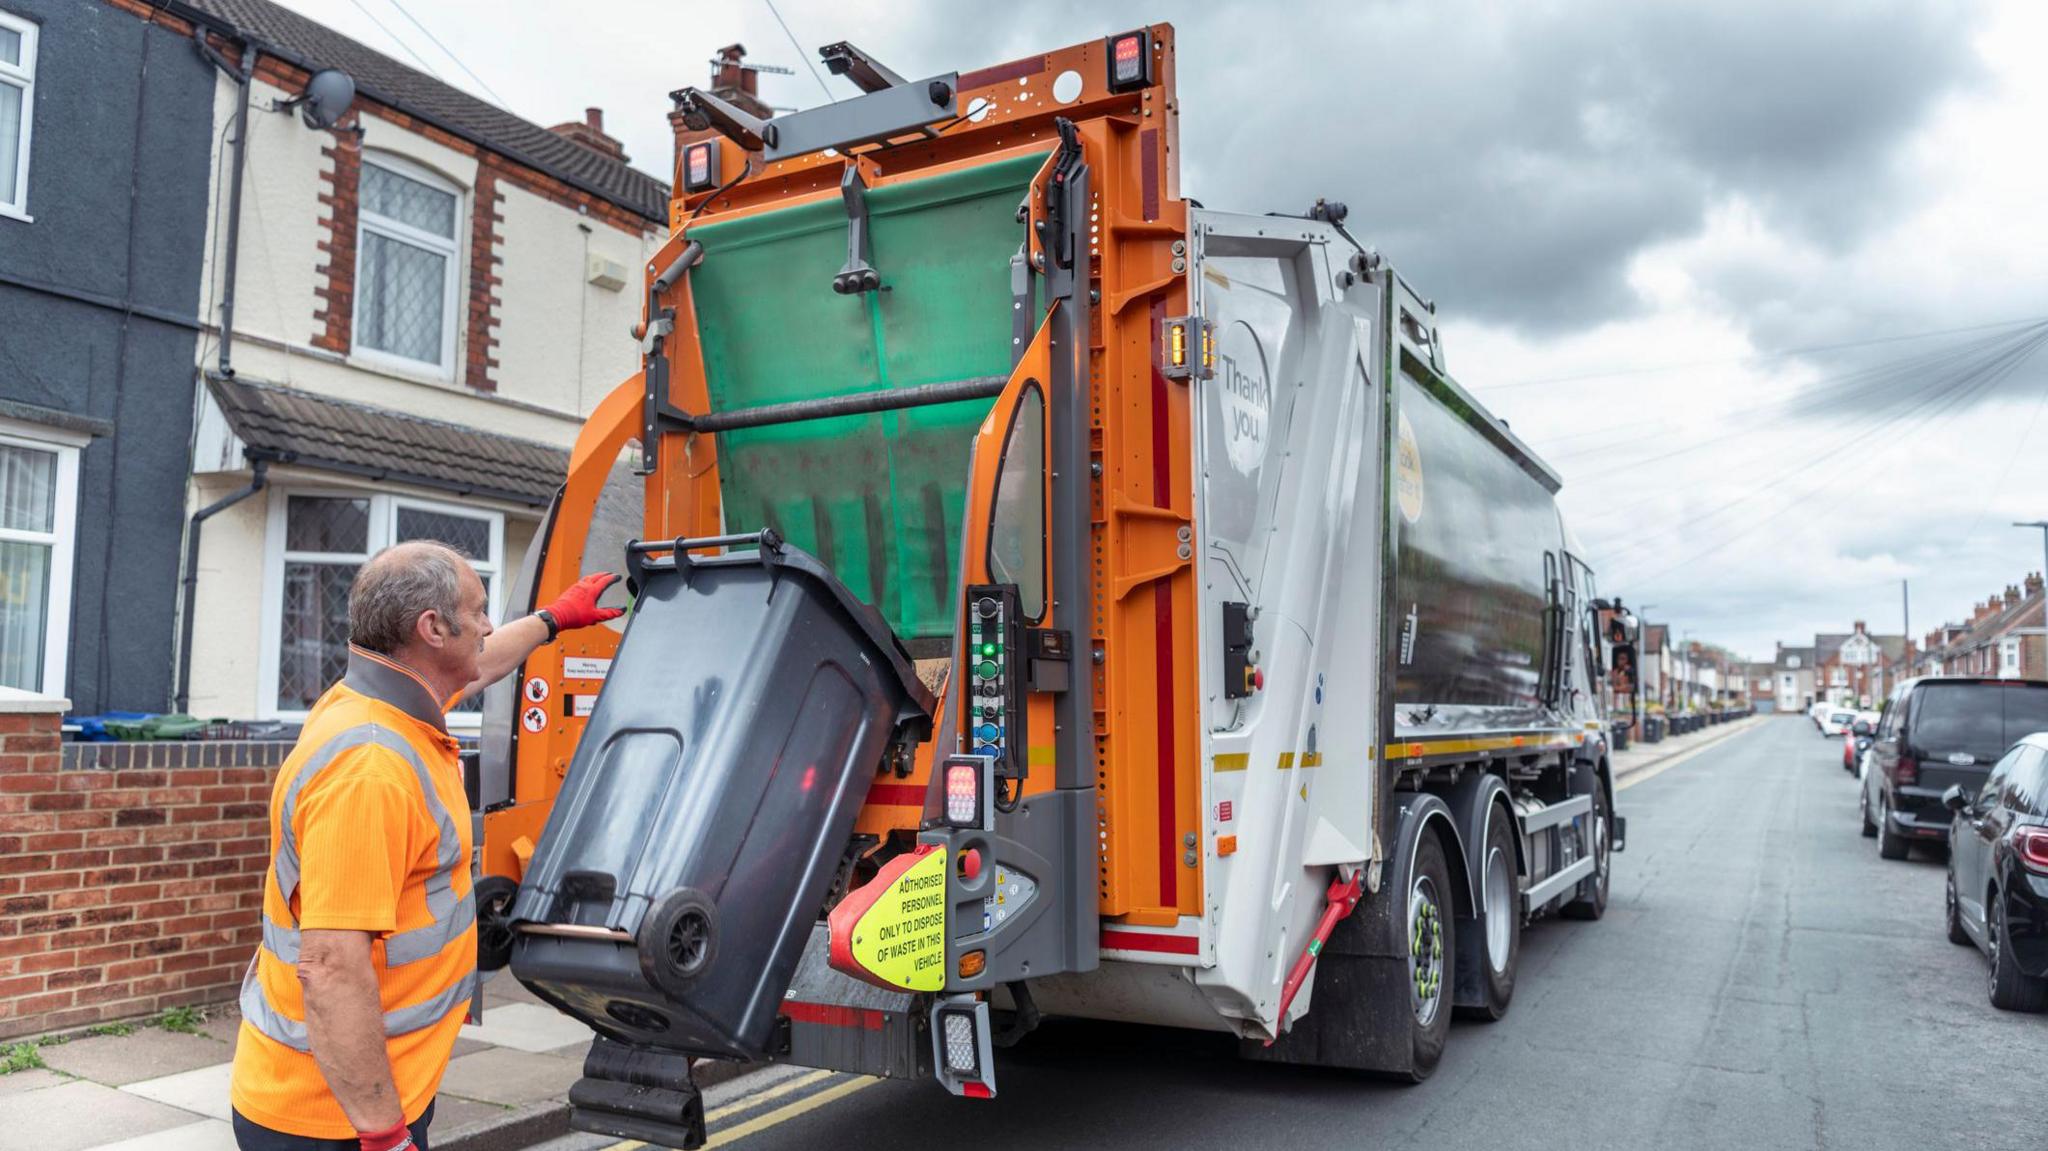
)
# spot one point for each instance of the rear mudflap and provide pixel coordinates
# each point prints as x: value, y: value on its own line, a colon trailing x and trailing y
x: 839, y: 1023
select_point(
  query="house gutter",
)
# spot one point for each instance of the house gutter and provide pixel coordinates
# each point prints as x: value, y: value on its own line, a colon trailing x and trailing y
x: 259, y: 466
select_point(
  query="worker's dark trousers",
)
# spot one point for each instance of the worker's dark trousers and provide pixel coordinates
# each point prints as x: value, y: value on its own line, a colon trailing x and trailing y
x: 255, y: 1137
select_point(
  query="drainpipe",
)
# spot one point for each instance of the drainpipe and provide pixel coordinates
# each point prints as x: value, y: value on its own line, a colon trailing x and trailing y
x: 241, y: 77
x: 258, y: 466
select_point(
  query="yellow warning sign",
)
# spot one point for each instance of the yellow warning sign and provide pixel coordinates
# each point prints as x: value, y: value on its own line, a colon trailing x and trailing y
x: 901, y: 939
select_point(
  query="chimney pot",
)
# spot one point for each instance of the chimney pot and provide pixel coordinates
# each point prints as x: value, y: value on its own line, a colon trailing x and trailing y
x: 594, y: 117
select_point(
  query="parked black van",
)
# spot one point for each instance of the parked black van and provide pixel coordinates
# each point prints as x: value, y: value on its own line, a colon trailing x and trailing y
x: 1934, y: 733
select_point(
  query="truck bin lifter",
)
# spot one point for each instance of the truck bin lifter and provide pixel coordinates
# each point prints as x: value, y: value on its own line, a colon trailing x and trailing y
x: 1050, y: 597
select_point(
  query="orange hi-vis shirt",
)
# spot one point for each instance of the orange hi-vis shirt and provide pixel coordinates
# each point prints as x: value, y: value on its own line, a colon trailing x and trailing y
x: 369, y: 831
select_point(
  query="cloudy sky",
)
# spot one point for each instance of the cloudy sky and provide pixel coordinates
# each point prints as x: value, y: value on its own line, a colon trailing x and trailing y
x: 1756, y: 277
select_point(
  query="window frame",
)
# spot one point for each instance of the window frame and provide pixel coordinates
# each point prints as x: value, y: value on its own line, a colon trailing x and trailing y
x: 1030, y: 393
x: 368, y: 223
x: 62, y: 539
x: 382, y: 532
x: 21, y: 76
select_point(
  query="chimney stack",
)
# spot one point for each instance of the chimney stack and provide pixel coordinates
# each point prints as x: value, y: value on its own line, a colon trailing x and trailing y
x: 2033, y: 583
x: 2012, y: 595
x: 590, y: 134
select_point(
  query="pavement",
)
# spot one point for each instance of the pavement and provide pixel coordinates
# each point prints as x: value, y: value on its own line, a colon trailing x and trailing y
x: 1761, y: 980
x: 154, y: 1089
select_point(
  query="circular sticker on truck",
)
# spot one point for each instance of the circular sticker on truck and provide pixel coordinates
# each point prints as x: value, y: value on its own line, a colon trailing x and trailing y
x: 1408, y: 473
x: 536, y: 690
x: 533, y: 719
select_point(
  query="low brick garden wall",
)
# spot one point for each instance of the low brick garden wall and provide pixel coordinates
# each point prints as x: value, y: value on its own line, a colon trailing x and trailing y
x: 130, y: 874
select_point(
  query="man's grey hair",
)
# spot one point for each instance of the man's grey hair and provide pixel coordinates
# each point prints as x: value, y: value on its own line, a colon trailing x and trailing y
x: 400, y: 584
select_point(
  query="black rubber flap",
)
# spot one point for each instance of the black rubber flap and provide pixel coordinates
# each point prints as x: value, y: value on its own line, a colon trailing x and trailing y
x: 711, y: 800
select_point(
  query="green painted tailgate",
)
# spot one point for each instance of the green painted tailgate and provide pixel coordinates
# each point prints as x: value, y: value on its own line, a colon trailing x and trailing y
x: 877, y: 497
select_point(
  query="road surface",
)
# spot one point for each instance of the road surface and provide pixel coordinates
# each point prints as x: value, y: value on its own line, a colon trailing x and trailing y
x: 1761, y: 980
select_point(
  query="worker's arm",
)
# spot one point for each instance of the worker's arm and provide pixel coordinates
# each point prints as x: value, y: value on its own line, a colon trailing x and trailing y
x: 345, y: 1025
x: 507, y: 647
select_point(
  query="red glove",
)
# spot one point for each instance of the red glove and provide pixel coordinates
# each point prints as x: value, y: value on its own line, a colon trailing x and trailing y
x: 577, y: 607
x: 390, y: 1139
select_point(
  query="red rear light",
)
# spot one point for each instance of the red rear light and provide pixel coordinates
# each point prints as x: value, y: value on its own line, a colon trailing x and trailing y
x: 1130, y: 60
x: 1907, y: 771
x: 2032, y: 844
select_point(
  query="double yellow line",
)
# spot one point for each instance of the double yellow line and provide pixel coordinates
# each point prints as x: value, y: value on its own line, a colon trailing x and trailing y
x: 780, y: 1115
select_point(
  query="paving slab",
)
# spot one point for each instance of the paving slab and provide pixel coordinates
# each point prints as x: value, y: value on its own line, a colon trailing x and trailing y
x: 204, y: 1091
x: 33, y: 1080
x: 149, y: 1053
x: 527, y: 1027
x: 510, y: 1077
x: 453, y: 1115
x: 223, y: 1023
x: 76, y: 1115
x: 205, y: 1135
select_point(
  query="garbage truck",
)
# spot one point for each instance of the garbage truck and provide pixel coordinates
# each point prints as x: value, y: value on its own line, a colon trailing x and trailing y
x: 1049, y: 597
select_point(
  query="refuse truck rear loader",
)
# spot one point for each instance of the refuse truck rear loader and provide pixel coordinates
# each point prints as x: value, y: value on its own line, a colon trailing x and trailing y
x: 1049, y: 597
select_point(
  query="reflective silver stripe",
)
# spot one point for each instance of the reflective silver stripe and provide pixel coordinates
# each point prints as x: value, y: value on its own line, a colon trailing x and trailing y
x: 291, y: 1032
x: 450, y: 916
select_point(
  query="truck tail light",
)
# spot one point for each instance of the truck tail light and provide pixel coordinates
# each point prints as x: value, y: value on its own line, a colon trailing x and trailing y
x: 962, y: 1055
x: 2032, y: 845
x: 1907, y: 772
x: 967, y: 791
x: 700, y: 166
x: 1130, y: 60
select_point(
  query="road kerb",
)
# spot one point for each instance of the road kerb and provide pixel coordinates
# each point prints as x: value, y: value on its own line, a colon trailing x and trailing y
x: 1662, y: 764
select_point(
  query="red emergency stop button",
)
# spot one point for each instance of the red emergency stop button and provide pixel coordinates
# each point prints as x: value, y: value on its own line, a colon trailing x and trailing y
x: 970, y: 864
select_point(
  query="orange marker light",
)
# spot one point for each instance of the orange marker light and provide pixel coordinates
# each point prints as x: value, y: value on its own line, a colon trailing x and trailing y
x: 1226, y: 845
x: 972, y: 963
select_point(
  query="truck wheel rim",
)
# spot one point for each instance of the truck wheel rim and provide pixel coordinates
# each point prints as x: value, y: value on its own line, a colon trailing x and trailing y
x: 1499, y: 906
x: 1600, y: 845
x: 1425, y: 950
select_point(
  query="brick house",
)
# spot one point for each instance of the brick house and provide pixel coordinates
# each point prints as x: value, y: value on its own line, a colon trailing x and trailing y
x: 2003, y: 637
x: 1793, y: 668
x: 430, y: 295
x: 1859, y: 668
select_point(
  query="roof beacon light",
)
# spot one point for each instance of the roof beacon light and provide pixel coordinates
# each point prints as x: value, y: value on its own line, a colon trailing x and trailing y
x: 1190, y: 349
x: 700, y: 166
x: 1130, y: 60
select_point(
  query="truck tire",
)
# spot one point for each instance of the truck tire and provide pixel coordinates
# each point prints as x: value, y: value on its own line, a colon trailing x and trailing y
x: 2011, y: 988
x: 678, y: 941
x: 1432, y: 941
x: 1890, y: 844
x: 1592, y: 903
x: 1498, y: 953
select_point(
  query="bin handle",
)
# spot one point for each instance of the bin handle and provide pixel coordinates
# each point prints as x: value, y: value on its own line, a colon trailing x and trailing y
x: 767, y: 541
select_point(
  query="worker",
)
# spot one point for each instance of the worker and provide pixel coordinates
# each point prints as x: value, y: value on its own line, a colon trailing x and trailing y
x: 351, y: 1007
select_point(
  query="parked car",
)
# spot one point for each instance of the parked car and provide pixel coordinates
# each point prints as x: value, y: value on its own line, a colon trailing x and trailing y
x: 1818, y: 711
x: 1855, y: 742
x: 1836, y: 720
x: 1935, y: 733
x: 1998, y: 873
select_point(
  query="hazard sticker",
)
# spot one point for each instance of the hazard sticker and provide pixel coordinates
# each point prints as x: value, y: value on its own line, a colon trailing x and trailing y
x: 534, y: 719
x: 583, y: 667
x: 893, y: 931
x: 580, y: 706
x: 1224, y: 813
x: 536, y: 690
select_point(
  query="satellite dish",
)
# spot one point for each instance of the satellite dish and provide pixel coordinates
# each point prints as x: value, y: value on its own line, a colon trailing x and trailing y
x: 326, y: 99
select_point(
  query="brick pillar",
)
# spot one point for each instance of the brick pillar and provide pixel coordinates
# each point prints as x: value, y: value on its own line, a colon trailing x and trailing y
x: 483, y: 280
x: 333, y: 323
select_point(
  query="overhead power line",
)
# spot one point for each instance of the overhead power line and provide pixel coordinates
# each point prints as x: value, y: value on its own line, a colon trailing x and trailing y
x: 394, y: 38
x: 801, y: 54
x: 1760, y: 357
x: 446, y: 51
x: 1957, y: 399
